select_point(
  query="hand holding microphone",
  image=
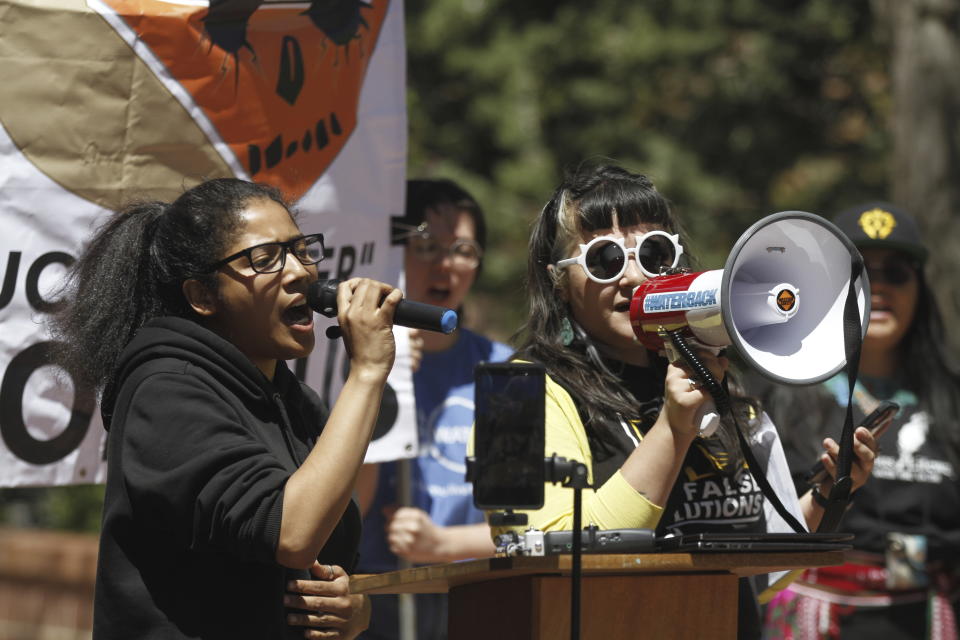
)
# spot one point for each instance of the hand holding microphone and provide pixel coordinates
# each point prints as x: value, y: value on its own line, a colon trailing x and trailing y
x: 322, y: 298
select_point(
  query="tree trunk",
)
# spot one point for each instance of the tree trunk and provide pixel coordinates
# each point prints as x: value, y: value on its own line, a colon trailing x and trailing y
x: 925, y: 63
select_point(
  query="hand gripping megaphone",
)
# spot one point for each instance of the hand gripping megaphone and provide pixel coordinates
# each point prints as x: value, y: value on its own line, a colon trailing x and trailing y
x: 779, y: 300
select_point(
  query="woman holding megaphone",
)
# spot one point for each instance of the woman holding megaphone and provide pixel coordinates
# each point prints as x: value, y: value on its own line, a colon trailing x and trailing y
x: 625, y: 411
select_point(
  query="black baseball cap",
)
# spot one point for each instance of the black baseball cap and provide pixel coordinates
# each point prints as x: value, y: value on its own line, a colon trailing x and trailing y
x: 882, y: 225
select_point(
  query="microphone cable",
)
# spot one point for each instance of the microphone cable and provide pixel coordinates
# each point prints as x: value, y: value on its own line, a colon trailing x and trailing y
x: 720, y: 397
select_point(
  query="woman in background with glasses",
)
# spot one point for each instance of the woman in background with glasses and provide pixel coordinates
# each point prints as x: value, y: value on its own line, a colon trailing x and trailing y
x: 625, y: 411
x: 228, y: 510
x: 444, y: 233
x: 902, y: 581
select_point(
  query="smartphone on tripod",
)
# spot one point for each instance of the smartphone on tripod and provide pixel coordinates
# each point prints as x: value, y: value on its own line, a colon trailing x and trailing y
x: 508, y: 467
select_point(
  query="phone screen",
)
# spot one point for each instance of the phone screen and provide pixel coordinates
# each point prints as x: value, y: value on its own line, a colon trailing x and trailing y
x: 509, y: 436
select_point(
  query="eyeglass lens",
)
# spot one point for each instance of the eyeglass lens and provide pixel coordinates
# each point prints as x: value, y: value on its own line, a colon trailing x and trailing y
x: 605, y: 260
x: 655, y: 252
x: 463, y: 253
x: 894, y: 272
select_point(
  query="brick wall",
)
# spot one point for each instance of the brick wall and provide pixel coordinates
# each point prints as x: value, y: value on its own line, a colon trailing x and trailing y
x: 46, y: 584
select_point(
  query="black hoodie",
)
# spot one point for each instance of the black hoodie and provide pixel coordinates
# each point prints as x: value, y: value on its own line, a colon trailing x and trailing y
x: 200, y: 448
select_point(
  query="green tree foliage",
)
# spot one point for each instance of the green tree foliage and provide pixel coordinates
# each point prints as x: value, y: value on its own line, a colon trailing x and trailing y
x: 72, y: 508
x: 736, y: 109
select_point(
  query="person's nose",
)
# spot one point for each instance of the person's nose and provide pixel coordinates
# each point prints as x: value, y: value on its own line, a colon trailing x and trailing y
x: 294, y: 270
x: 879, y: 295
x: 443, y: 261
x: 632, y: 275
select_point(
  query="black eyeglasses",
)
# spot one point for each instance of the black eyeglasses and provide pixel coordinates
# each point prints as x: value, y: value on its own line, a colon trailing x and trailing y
x: 270, y: 257
x: 893, y: 272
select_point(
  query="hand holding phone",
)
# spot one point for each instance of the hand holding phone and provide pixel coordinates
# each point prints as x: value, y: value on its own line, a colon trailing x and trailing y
x: 877, y: 422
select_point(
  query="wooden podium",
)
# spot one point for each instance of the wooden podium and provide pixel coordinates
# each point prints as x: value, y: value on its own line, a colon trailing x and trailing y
x: 655, y: 595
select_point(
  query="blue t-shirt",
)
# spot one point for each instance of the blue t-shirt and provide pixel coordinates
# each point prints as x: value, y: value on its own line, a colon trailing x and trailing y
x: 443, y: 386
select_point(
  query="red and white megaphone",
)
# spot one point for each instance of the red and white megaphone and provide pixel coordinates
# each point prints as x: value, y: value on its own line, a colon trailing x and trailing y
x: 779, y: 300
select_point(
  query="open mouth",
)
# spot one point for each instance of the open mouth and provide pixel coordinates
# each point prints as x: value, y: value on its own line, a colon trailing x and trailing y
x: 437, y: 295
x: 300, y: 315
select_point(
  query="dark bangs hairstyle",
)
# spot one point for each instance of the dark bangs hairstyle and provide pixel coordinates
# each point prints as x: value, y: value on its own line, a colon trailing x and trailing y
x: 134, y: 266
x: 589, y: 198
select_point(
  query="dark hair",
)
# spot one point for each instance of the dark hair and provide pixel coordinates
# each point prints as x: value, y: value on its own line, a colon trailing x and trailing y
x: 424, y: 194
x: 134, y: 266
x: 929, y: 372
x: 586, y: 200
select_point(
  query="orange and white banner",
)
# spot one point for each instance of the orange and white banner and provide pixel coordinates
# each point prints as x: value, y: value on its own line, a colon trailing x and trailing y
x: 107, y: 101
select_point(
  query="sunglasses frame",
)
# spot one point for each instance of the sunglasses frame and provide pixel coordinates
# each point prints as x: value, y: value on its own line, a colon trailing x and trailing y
x: 884, y: 268
x: 619, y: 241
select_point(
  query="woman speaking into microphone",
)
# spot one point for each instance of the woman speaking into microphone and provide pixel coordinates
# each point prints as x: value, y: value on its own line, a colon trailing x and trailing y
x: 228, y: 510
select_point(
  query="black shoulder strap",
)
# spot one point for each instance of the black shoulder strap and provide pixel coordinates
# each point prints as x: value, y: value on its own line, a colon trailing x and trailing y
x: 852, y: 343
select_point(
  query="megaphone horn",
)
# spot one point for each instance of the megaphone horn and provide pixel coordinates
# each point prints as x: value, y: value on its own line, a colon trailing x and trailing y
x: 778, y: 300
x: 693, y: 301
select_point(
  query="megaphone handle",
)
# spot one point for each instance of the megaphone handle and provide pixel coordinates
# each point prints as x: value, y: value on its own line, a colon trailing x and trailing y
x: 708, y: 419
x: 670, y: 351
x: 708, y: 416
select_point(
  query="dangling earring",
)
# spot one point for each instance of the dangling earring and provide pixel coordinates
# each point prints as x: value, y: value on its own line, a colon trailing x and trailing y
x: 566, y: 331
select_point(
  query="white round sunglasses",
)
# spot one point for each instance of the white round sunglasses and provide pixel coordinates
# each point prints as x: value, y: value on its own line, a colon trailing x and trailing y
x: 604, y: 259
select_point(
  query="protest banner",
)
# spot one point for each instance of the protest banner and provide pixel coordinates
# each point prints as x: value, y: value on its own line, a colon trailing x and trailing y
x: 108, y: 101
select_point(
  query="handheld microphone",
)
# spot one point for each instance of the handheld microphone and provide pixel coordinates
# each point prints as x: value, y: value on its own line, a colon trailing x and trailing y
x: 322, y: 298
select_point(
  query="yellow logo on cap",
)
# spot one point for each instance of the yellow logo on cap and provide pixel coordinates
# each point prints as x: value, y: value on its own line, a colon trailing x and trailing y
x: 877, y: 223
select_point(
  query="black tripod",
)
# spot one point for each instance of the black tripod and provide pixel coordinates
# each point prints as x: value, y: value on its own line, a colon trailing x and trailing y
x: 572, y: 474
